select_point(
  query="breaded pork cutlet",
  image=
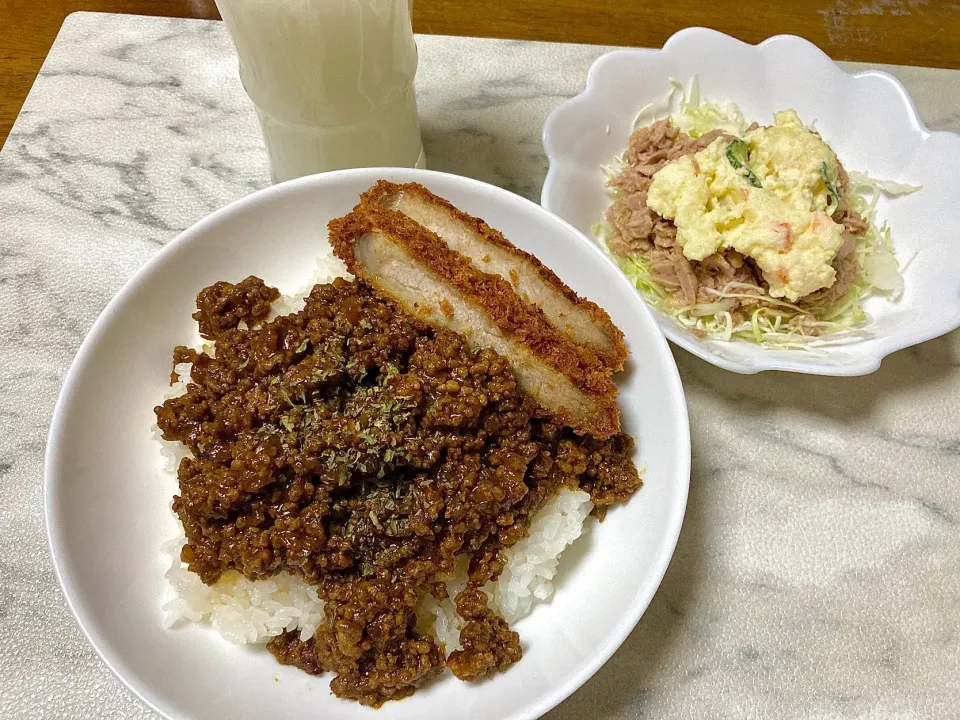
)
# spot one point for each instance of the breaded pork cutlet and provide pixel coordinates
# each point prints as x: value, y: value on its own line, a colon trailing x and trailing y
x: 414, y: 268
x: 582, y: 321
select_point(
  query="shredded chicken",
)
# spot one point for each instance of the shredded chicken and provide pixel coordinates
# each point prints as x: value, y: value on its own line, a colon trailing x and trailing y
x: 653, y: 147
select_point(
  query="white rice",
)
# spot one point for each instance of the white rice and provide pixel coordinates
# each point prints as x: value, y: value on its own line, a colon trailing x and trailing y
x: 245, y: 611
x: 328, y: 268
x: 527, y: 578
x: 241, y: 610
x: 532, y: 562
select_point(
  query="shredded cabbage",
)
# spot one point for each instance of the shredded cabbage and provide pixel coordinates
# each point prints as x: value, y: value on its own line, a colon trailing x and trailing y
x: 773, y: 323
x: 697, y: 118
x: 858, y: 179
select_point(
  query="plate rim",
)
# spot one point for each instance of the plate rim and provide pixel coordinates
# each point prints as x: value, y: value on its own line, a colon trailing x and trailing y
x: 534, y: 708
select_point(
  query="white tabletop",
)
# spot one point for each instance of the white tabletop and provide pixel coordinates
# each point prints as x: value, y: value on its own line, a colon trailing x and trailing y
x: 818, y: 572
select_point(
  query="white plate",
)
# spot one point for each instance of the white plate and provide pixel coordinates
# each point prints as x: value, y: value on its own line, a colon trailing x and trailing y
x: 869, y: 120
x: 107, y: 503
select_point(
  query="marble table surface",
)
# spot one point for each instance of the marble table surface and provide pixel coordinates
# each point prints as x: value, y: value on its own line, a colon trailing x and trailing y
x: 818, y: 571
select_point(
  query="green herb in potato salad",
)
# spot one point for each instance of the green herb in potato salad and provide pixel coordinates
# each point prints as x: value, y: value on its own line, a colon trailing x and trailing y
x: 747, y: 232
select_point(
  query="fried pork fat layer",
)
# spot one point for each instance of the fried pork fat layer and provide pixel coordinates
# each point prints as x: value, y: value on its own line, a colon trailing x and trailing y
x: 580, y: 320
x: 416, y: 269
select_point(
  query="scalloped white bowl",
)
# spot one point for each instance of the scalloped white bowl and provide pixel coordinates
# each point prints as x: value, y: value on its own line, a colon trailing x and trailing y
x: 868, y: 118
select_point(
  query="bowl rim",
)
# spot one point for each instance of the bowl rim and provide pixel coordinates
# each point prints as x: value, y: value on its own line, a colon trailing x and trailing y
x: 619, y: 630
x: 885, y: 345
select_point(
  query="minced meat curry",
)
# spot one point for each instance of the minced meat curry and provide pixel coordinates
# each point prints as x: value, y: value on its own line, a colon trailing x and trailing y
x: 364, y: 451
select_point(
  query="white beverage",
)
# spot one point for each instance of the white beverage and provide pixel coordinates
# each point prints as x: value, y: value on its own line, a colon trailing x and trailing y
x: 332, y: 81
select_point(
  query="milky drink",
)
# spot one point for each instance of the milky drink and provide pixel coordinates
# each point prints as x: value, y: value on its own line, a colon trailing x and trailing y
x: 332, y: 81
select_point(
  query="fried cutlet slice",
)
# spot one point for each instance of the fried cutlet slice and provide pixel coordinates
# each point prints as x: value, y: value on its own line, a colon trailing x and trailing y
x: 415, y: 269
x: 582, y: 321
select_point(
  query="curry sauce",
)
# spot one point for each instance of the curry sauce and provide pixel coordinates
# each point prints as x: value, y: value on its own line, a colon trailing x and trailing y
x: 364, y: 451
